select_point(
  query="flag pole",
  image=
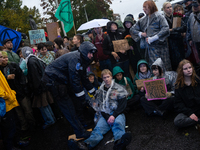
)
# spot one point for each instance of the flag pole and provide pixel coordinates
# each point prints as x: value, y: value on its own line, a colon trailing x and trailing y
x: 61, y: 21
x: 74, y: 28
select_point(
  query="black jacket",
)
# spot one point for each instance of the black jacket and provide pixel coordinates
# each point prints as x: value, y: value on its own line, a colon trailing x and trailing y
x: 70, y: 69
x: 108, y: 45
x: 19, y: 83
x: 187, y: 99
x: 35, y: 73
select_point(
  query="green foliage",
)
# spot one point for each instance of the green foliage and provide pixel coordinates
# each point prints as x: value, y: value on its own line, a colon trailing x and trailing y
x: 13, y: 16
x: 95, y: 9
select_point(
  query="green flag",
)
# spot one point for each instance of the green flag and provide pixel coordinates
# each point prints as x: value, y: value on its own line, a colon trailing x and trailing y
x: 64, y: 14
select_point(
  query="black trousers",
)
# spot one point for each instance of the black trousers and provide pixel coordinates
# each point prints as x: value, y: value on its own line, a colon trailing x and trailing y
x: 61, y: 95
x: 8, y: 128
x: 163, y: 105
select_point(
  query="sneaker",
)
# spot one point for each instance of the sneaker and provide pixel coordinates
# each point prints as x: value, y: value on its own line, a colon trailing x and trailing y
x: 85, y: 135
x: 23, y: 143
x: 74, y: 145
x: 123, y: 142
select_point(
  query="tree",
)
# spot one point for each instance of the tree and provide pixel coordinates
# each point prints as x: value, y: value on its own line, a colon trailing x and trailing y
x: 94, y: 8
x: 13, y: 16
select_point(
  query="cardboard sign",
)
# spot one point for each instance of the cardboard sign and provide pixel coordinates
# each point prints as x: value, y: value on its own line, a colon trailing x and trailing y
x: 37, y: 36
x: 52, y: 30
x: 155, y: 89
x: 121, y: 45
x: 140, y: 83
x: 176, y: 22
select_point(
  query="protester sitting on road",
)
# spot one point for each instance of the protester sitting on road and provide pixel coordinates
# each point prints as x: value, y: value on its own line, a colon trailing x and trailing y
x: 159, y: 107
x: 111, y: 101
x: 132, y: 99
x: 77, y: 40
x: 187, y: 96
x: 143, y: 72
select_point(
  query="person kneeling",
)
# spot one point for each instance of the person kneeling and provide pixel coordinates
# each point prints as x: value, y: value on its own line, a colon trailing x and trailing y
x: 111, y: 101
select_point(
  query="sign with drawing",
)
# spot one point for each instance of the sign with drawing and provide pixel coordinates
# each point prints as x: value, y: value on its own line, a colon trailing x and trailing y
x: 155, y: 89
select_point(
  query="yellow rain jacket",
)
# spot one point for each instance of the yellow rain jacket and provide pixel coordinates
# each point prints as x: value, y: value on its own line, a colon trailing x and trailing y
x: 7, y: 94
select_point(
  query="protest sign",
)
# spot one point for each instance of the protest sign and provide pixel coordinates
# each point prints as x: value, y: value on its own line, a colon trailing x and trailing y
x: 37, y: 36
x: 121, y: 45
x: 52, y: 30
x: 140, y: 83
x: 155, y: 89
x: 7, y: 33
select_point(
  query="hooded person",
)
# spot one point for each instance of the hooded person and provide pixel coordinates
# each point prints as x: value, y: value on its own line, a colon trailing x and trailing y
x: 159, y: 107
x: 41, y: 97
x: 134, y: 53
x: 69, y: 70
x: 118, y: 75
x: 117, y: 58
x: 143, y: 72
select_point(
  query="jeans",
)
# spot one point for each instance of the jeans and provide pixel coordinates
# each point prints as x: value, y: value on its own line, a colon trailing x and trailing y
x: 48, y: 115
x: 102, y: 127
x: 105, y: 64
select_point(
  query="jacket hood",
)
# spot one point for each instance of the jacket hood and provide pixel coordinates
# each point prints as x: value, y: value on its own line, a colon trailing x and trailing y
x: 109, y: 26
x: 128, y: 19
x: 142, y: 61
x: 117, y: 70
x: 159, y: 63
x: 26, y: 51
x: 85, y: 48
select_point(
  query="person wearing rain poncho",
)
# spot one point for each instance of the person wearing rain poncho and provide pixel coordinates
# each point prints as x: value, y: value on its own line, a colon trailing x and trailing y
x: 159, y: 107
x: 111, y: 101
x: 152, y: 31
x: 41, y: 97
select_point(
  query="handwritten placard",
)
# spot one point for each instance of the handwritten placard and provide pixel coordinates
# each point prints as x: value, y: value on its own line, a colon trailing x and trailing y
x: 52, y: 30
x: 37, y: 36
x: 140, y: 83
x: 121, y: 45
x: 155, y: 89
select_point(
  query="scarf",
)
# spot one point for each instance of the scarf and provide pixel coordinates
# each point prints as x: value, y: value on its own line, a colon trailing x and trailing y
x: 145, y: 76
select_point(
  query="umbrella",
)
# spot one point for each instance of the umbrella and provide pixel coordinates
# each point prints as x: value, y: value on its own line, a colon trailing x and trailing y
x: 93, y: 24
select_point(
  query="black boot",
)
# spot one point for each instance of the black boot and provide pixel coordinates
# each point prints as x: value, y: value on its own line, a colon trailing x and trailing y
x: 123, y: 142
x: 74, y: 145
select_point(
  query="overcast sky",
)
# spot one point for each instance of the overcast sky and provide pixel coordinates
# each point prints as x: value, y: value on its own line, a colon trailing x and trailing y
x: 122, y: 7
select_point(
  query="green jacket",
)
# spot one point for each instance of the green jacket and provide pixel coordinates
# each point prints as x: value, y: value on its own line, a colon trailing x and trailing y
x: 13, y: 57
x: 117, y: 70
x: 142, y: 61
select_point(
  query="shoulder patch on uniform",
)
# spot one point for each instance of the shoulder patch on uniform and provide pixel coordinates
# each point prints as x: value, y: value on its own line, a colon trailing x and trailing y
x: 79, y: 67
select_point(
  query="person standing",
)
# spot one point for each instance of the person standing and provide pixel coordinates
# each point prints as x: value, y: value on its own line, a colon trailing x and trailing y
x: 193, y: 32
x: 12, y: 57
x: 175, y: 40
x: 104, y: 60
x: 63, y: 77
x: 116, y: 58
x: 153, y: 30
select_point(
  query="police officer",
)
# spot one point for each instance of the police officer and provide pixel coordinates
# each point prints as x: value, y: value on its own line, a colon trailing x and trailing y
x: 66, y: 74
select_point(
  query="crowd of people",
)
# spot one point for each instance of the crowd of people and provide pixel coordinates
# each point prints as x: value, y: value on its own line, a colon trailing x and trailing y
x: 41, y: 84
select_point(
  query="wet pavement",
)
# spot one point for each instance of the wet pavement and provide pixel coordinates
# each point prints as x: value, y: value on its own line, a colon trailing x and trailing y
x: 148, y: 133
